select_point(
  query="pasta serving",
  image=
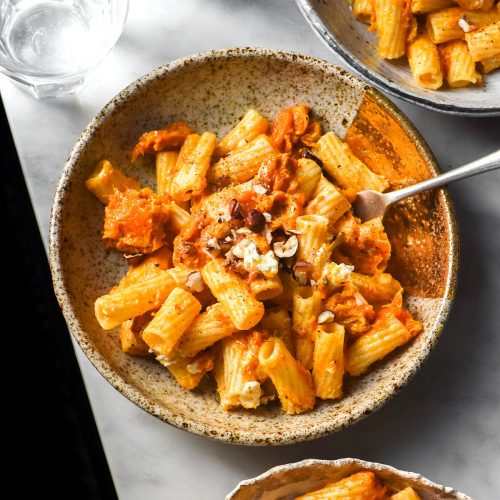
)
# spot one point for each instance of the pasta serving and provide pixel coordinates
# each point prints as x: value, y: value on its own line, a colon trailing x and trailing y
x: 247, y: 261
x: 445, y: 41
x: 363, y: 485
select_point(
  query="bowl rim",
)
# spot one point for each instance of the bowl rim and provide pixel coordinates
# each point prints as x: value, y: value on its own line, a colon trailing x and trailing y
x: 374, y: 78
x: 130, y: 391
x: 342, y: 462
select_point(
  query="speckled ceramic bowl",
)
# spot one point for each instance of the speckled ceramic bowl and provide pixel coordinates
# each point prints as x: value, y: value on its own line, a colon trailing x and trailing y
x: 285, y: 482
x: 212, y: 91
x: 334, y: 23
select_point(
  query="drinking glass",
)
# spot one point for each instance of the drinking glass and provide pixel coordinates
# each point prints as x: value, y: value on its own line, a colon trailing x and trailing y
x: 47, y: 46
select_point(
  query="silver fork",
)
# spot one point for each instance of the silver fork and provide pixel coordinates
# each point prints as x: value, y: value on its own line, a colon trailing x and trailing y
x: 370, y: 204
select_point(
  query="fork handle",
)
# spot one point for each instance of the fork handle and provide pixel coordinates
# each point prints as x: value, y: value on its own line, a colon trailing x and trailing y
x: 480, y: 166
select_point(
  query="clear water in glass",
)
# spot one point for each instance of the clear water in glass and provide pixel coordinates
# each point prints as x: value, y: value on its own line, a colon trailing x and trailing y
x: 48, y: 45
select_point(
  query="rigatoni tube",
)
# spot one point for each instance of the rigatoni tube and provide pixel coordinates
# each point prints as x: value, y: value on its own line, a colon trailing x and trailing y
x: 106, y: 179
x: 459, y: 68
x: 292, y: 381
x: 209, y: 327
x: 328, y: 363
x: 171, y: 322
x: 425, y: 64
x: 192, y: 165
x: 250, y: 126
x: 386, y: 334
x: 348, y: 171
x: 392, y: 27
x: 113, y: 309
x: 233, y: 293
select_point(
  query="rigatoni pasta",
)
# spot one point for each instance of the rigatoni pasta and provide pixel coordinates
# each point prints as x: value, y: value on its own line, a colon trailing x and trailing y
x: 363, y: 10
x: 241, y: 164
x: 233, y: 293
x: 193, y: 162
x: 165, y: 171
x: 406, y: 494
x: 458, y: 66
x: 426, y: 6
x: 327, y: 201
x: 188, y: 372
x: 171, y: 321
x: 328, y: 361
x: 387, y: 333
x: 476, y: 4
x: 292, y: 381
x: 106, y: 179
x: 425, y: 63
x: 308, y: 175
x: 393, y: 21
x: 248, y: 264
x: 113, y: 309
x: 443, y: 26
x: 348, y: 171
x: 306, y: 308
x: 208, y: 328
x: 250, y: 126
x: 313, y: 234
x: 430, y: 33
x: 238, y: 372
x: 362, y: 485
x: 484, y: 43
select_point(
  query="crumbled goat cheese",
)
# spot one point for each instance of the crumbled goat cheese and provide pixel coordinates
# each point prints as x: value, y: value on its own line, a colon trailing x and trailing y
x: 259, y: 189
x: 268, y: 265
x: 250, y: 255
x: 239, y: 249
x: 193, y: 368
x: 334, y: 275
x: 325, y: 317
x: 166, y: 360
x: 250, y: 395
x: 194, y: 281
x: 253, y: 261
x: 464, y: 25
x: 213, y: 243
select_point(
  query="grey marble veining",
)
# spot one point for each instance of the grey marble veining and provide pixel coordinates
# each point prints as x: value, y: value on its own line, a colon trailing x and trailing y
x: 444, y: 425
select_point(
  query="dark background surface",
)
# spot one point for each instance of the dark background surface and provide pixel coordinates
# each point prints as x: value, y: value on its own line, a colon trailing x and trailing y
x: 53, y: 443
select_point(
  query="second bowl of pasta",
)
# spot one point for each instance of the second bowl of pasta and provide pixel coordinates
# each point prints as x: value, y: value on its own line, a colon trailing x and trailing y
x: 343, y: 478
x: 440, y: 54
x: 207, y: 259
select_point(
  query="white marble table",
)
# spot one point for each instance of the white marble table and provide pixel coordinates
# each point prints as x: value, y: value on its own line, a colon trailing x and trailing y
x: 445, y: 424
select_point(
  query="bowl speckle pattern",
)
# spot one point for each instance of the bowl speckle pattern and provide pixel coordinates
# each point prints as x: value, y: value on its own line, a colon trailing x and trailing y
x: 212, y: 91
x: 285, y: 482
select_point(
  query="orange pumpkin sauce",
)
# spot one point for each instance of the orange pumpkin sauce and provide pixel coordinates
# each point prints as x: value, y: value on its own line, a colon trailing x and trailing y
x: 415, y: 226
x: 134, y: 221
